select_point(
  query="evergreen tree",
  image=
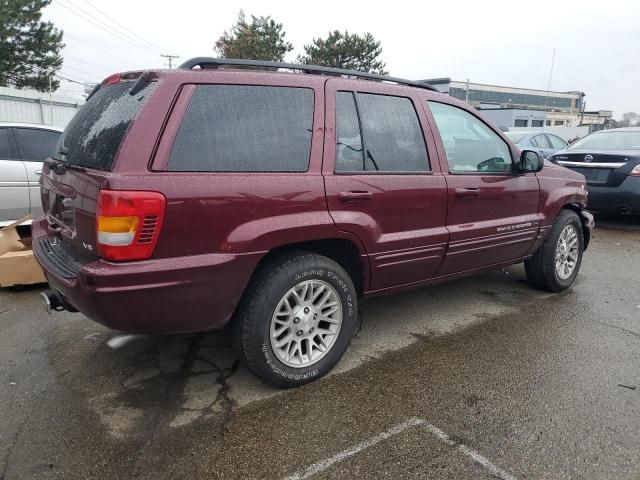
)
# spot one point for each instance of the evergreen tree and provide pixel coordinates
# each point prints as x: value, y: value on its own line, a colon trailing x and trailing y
x: 29, y: 48
x: 260, y: 39
x: 345, y: 50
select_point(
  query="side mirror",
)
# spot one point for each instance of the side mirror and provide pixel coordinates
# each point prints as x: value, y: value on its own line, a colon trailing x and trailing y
x: 530, y: 161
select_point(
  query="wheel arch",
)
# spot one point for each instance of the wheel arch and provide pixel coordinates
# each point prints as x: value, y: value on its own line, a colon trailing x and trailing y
x: 586, y: 231
x: 343, y: 251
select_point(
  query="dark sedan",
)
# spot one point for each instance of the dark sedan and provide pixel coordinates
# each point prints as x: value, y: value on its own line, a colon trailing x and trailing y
x: 610, y: 161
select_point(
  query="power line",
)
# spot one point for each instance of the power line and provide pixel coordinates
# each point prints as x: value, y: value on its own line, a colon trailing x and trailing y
x: 79, y: 70
x: 70, y: 80
x: 122, y: 26
x: 76, y: 76
x: 102, y: 26
x: 84, y: 62
x: 104, y: 52
x: 100, y: 50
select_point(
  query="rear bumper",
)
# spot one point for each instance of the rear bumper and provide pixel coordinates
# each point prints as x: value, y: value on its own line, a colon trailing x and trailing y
x: 158, y: 296
x: 616, y: 199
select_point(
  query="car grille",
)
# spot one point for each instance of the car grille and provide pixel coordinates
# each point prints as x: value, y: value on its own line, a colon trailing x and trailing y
x: 55, y: 258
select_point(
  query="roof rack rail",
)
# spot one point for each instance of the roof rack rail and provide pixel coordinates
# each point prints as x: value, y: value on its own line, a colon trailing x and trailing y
x: 209, y: 63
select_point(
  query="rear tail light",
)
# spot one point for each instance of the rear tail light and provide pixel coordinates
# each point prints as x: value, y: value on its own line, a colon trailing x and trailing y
x: 128, y: 223
x: 111, y: 79
x: 635, y: 172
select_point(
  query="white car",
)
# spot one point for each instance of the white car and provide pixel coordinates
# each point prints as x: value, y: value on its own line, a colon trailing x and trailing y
x: 23, y: 148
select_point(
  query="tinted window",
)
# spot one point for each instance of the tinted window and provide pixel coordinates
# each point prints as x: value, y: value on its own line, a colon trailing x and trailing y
x: 240, y: 128
x: 94, y: 134
x: 536, y: 123
x: 349, y: 151
x: 556, y: 142
x: 5, y: 147
x: 540, y: 141
x: 36, y: 145
x: 520, y: 123
x: 470, y: 145
x: 393, y: 140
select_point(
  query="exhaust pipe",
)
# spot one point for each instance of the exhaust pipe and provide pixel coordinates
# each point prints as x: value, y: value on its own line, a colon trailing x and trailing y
x: 54, y: 301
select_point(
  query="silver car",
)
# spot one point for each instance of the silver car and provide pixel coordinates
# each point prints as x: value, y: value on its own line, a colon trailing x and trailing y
x: 23, y: 147
x: 546, y: 144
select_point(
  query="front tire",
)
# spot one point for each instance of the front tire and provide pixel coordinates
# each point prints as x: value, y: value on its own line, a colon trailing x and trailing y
x: 554, y: 267
x: 296, y: 320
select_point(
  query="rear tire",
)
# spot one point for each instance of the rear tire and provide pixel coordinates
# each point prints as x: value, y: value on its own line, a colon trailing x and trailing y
x: 296, y: 319
x: 554, y: 267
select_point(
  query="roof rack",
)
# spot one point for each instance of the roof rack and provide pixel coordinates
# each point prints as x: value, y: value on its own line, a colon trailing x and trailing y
x: 210, y: 63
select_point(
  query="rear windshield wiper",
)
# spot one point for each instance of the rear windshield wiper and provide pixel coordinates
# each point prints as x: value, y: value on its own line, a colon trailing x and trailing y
x: 61, y: 166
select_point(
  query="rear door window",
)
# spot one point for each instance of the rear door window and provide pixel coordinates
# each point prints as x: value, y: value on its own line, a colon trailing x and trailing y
x: 349, y: 151
x: 540, y: 141
x: 556, y: 142
x: 94, y: 134
x: 34, y: 144
x: 245, y: 128
x: 393, y: 140
x: 5, y: 144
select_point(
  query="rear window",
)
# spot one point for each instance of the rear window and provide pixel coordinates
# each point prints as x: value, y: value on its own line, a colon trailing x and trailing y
x: 243, y: 128
x: 610, y: 140
x: 93, y: 136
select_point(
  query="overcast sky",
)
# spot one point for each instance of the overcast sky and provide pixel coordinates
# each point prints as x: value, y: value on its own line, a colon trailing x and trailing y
x: 504, y: 43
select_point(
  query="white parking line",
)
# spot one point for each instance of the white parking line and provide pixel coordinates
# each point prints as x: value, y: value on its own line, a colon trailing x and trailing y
x: 412, y: 422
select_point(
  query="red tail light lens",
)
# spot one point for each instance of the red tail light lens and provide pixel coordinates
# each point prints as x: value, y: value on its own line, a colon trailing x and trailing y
x: 128, y: 223
x: 111, y: 79
x: 635, y: 172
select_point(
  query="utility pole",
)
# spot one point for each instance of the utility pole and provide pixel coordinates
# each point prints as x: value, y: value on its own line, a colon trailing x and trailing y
x: 546, y: 101
x: 170, y: 58
x: 466, y: 96
x: 50, y: 100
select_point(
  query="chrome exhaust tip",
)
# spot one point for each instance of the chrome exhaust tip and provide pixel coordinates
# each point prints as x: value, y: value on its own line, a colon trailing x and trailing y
x: 46, y: 301
x: 53, y: 301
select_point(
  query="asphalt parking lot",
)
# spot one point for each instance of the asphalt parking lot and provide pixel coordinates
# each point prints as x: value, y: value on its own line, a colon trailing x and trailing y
x: 480, y: 378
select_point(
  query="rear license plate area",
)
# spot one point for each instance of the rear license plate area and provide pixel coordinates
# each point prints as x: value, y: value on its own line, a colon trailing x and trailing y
x: 595, y: 175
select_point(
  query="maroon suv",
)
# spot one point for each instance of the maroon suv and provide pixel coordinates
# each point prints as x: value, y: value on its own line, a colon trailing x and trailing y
x: 179, y: 201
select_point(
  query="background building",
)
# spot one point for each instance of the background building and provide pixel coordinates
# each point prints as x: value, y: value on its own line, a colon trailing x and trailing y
x: 525, y: 107
x: 36, y: 107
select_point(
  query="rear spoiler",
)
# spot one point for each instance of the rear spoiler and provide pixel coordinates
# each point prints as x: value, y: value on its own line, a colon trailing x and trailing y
x: 141, y: 77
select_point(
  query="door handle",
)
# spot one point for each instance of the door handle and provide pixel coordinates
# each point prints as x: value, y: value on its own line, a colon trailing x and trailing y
x: 38, y: 172
x: 355, y: 196
x: 467, y: 192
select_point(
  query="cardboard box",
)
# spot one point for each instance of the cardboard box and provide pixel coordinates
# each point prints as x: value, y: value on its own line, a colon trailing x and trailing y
x: 18, y: 265
x: 10, y: 240
x: 20, y: 268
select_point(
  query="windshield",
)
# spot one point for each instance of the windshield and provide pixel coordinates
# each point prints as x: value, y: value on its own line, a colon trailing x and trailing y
x: 515, y: 137
x: 609, y: 141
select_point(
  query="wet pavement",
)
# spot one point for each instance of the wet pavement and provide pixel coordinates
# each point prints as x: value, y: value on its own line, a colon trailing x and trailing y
x: 479, y: 378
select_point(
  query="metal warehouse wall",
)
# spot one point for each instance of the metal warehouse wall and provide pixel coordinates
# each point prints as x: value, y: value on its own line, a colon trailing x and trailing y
x: 34, y: 107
